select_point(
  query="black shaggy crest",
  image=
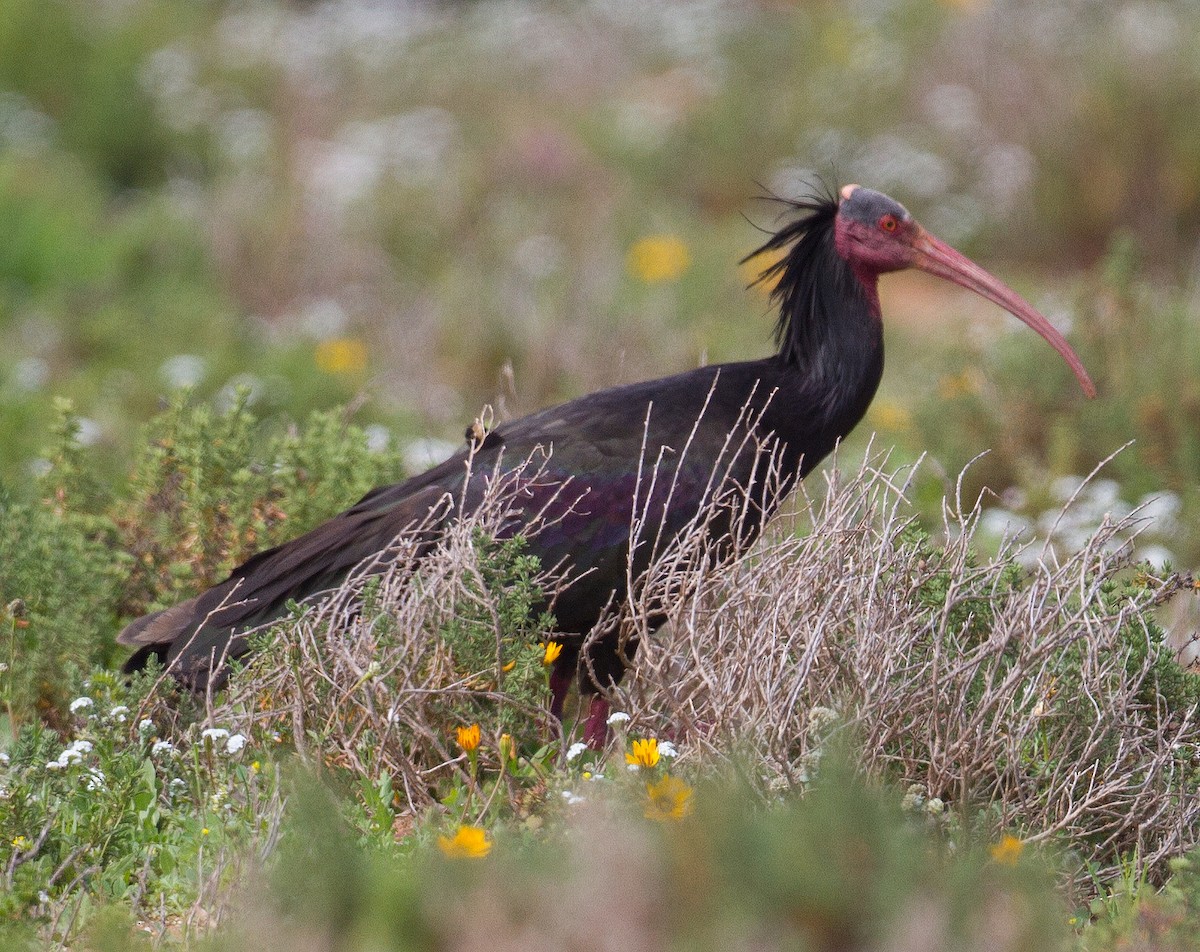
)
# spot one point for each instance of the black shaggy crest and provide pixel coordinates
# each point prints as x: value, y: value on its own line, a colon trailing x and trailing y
x: 813, y: 283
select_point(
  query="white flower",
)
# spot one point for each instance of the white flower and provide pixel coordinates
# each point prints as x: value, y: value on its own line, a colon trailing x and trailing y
x: 118, y: 713
x: 632, y: 768
x: 178, y: 784
x: 667, y: 749
x: 572, y: 798
x: 80, y: 704
x: 145, y: 725
x: 914, y: 799
x: 3, y: 758
x: 43, y: 897
x: 617, y: 717
x: 235, y: 743
x: 214, y: 734
x: 72, y: 755
x: 161, y: 747
x: 575, y: 750
x: 820, y: 717
x: 95, y: 779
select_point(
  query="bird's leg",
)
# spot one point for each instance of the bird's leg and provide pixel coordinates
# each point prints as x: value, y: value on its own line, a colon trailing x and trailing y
x: 560, y: 684
x: 595, y: 732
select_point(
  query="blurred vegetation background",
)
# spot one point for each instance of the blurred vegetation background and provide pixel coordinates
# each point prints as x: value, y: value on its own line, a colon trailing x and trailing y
x: 258, y: 256
x: 433, y: 206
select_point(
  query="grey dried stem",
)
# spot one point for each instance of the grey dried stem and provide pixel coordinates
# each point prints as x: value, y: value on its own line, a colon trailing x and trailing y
x: 1029, y: 698
x: 379, y: 690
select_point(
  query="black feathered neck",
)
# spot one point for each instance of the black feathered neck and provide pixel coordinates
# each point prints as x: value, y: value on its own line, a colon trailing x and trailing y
x: 826, y: 310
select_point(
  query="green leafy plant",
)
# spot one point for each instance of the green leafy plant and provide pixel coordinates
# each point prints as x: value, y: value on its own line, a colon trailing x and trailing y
x: 108, y: 810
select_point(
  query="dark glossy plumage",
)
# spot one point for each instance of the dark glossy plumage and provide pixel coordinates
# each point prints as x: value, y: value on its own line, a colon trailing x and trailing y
x: 783, y: 414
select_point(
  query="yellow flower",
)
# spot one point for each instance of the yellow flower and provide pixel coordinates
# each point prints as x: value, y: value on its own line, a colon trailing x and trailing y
x: 20, y: 843
x: 468, y: 737
x: 952, y: 386
x: 470, y: 842
x: 508, y: 667
x: 508, y: 748
x: 658, y: 259
x: 885, y: 415
x: 204, y: 831
x: 1008, y: 850
x: 669, y: 799
x: 341, y: 355
x: 553, y: 650
x: 752, y: 270
x: 644, y: 754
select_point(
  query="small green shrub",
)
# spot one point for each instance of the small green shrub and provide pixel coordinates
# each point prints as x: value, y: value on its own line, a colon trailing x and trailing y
x: 108, y: 810
x: 208, y: 489
x: 58, y: 589
x: 60, y: 576
x: 211, y: 488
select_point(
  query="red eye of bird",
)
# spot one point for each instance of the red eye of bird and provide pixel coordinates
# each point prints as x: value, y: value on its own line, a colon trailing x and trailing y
x: 888, y: 223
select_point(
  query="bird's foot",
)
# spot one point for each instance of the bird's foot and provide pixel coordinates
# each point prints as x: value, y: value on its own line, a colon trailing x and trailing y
x: 560, y: 684
x: 595, y: 731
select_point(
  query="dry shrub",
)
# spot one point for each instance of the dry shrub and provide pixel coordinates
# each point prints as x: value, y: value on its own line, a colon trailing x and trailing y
x: 1039, y: 700
x: 376, y: 676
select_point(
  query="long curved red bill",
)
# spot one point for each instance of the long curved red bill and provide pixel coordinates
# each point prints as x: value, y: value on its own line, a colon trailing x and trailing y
x: 938, y: 258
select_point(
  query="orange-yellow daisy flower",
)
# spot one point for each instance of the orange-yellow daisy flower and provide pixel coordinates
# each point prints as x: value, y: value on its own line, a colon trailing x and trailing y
x: 669, y: 799
x: 553, y: 650
x: 468, y: 737
x: 644, y: 753
x: 752, y: 270
x: 658, y: 259
x: 341, y: 355
x: 470, y: 842
x: 1008, y: 850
